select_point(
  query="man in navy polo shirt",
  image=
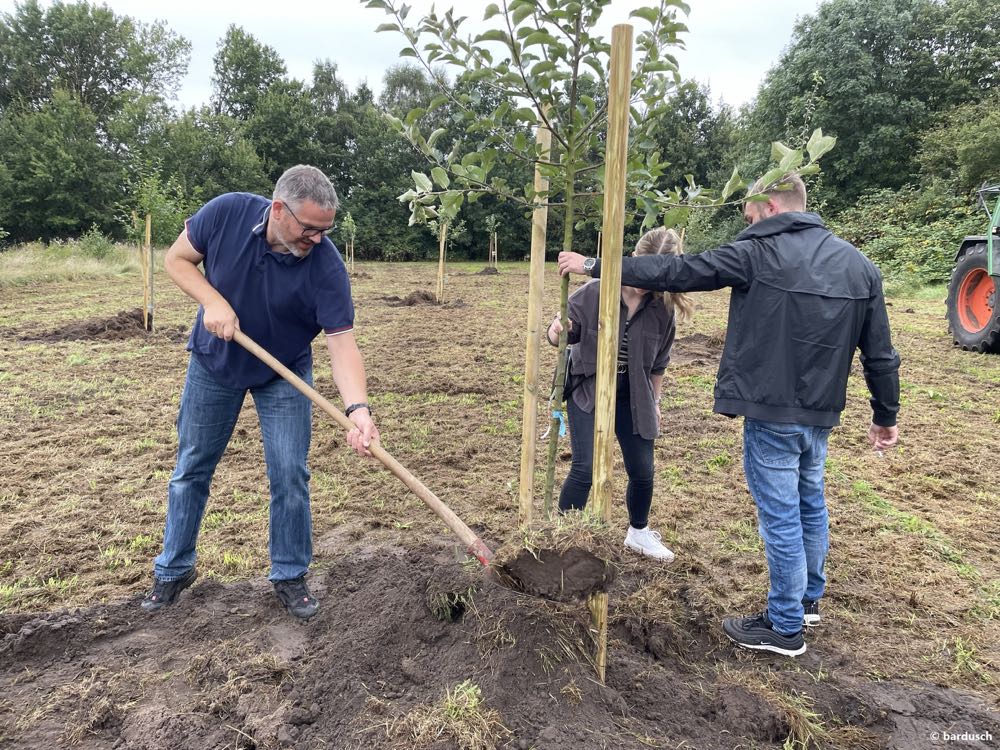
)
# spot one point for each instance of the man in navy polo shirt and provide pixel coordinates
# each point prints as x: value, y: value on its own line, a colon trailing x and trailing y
x: 271, y: 272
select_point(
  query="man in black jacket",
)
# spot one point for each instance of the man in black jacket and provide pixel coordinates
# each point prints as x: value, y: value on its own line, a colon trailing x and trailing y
x: 803, y: 300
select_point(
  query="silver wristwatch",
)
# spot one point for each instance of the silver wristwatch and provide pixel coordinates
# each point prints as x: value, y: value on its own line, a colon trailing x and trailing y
x: 588, y: 265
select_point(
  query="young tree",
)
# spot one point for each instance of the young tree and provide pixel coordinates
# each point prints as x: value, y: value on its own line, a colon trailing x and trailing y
x: 545, y: 67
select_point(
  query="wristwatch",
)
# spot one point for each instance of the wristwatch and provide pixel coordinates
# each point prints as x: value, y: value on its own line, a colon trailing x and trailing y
x: 588, y: 265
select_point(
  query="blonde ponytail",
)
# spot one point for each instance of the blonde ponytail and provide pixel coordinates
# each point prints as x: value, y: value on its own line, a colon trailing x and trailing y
x: 661, y: 241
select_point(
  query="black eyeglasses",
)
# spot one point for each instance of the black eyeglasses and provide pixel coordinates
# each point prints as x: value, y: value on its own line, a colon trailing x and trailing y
x: 308, y: 231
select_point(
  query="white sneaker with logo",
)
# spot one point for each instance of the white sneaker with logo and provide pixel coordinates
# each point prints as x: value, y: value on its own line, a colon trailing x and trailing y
x: 648, y: 542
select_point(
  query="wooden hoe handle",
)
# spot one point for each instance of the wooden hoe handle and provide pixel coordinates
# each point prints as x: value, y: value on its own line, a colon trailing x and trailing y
x: 473, y: 543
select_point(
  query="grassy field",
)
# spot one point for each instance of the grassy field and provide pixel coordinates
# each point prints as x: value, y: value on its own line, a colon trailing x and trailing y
x: 87, y: 442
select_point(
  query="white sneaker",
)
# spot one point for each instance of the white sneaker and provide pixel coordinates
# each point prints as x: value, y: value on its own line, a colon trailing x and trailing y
x: 648, y: 542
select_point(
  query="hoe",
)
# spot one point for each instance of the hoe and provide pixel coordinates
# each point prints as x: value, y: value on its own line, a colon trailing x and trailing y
x: 573, y: 573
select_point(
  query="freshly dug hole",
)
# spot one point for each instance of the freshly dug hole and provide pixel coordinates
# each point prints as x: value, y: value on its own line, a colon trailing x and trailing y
x: 561, y: 576
x: 564, y: 561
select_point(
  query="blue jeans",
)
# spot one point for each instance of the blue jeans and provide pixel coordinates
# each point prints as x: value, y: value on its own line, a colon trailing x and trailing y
x: 637, y: 454
x: 205, y: 422
x: 784, y: 465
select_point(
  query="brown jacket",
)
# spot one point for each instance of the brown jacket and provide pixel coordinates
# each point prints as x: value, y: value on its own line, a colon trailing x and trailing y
x: 650, y: 337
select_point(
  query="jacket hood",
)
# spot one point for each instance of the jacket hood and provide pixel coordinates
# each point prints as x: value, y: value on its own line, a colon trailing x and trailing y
x: 787, y: 221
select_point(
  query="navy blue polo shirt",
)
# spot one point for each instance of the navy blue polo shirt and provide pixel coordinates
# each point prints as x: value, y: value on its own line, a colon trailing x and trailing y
x: 282, y: 302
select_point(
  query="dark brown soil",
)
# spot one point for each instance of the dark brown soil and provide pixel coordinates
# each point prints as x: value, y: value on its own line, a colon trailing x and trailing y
x: 909, y: 648
x: 226, y: 667
x: 126, y: 324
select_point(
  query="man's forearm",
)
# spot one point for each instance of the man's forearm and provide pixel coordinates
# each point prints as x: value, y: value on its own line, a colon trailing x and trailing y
x: 348, y: 368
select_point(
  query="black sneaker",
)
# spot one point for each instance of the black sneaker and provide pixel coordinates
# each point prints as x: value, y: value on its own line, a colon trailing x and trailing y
x: 811, y: 617
x: 756, y: 633
x: 294, y: 594
x: 164, y: 593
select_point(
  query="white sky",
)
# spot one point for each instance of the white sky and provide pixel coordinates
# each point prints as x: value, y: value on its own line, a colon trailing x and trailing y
x: 730, y: 46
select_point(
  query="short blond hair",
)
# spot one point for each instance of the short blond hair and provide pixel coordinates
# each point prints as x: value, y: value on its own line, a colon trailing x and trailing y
x: 789, y: 191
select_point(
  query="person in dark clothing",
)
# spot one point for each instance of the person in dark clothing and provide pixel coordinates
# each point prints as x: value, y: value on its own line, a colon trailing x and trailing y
x: 803, y: 301
x: 646, y: 335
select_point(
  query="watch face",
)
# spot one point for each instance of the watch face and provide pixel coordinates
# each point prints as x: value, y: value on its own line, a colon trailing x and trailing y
x: 589, y: 263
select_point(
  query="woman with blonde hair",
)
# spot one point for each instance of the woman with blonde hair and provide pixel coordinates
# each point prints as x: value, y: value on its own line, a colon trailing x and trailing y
x: 645, y: 335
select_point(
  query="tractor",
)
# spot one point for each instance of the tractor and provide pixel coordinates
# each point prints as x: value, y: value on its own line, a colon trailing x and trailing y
x: 973, y: 307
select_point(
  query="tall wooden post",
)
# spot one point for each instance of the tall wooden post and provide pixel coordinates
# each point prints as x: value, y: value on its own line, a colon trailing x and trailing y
x: 612, y: 232
x: 147, y: 292
x: 442, y: 236
x: 529, y: 420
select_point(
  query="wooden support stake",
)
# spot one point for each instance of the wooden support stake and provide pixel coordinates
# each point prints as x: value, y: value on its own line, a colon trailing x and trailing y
x: 536, y: 285
x: 147, y: 310
x: 442, y: 236
x: 612, y: 232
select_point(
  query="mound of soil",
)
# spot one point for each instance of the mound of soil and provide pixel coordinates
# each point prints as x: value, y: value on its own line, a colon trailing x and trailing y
x: 124, y: 325
x: 488, y: 271
x: 418, y: 297
x: 226, y: 667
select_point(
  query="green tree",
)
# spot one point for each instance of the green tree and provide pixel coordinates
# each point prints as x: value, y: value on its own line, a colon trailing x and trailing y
x: 244, y: 70
x: 208, y: 154
x: 61, y: 179
x: 963, y: 151
x: 874, y: 73
x: 283, y: 127
x: 88, y: 52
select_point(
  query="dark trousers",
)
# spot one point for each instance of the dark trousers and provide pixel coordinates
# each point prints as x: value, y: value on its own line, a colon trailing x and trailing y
x: 636, y: 451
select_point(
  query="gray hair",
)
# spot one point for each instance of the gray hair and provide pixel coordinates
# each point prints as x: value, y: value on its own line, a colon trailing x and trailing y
x: 305, y: 183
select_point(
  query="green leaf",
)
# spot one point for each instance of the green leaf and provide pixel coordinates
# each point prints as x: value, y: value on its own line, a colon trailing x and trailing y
x: 539, y: 37
x: 491, y: 10
x: 493, y: 35
x: 791, y: 160
x: 543, y: 67
x: 422, y: 181
x: 440, y: 177
x: 676, y: 216
x: 387, y: 27
x: 407, y: 52
x: 735, y: 183
x: 779, y: 151
x: 435, y: 136
x: 819, y: 144
x: 651, y: 15
x: 451, y: 202
x: 521, y: 12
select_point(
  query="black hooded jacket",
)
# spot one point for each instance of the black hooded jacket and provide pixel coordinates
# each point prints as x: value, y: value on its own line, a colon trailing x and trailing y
x: 803, y: 300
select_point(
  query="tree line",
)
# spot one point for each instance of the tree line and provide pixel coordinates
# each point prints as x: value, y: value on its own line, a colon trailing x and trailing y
x: 89, y: 138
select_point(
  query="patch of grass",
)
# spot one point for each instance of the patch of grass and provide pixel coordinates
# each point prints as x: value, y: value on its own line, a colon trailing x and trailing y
x: 899, y: 520
x: 964, y: 654
x: 460, y: 720
x: 740, y: 536
x: 719, y: 461
x: 63, y: 261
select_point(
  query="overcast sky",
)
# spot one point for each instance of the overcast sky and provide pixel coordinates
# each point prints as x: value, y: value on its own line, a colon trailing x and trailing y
x: 730, y: 46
